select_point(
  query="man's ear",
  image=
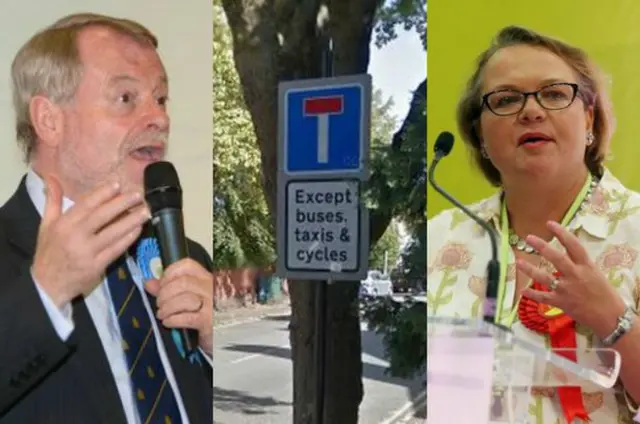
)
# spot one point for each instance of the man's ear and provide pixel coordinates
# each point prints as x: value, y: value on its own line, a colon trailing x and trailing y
x: 47, y: 120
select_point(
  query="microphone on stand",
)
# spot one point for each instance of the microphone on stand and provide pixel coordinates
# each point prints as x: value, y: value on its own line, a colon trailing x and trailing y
x: 442, y: 148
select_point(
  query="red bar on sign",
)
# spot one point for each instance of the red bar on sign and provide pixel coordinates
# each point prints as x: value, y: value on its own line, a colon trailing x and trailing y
x: 322, y: 105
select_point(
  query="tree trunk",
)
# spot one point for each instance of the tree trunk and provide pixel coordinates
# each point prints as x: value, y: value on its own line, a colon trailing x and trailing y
x: 277, y: 40
x: 343, y: 383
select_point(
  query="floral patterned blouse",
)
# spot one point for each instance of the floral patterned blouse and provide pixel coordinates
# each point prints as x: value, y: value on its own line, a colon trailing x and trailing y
x: 608, y: 226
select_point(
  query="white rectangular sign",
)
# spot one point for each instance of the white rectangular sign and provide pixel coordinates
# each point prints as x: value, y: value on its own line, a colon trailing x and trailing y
x: 323, y: 226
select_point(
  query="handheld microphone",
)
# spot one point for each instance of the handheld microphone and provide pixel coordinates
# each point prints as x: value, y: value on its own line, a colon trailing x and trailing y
x: 442, y: 147
x: 164, y: 197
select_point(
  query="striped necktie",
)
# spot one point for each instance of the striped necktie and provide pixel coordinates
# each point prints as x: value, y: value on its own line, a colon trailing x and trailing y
x: 153, y: 395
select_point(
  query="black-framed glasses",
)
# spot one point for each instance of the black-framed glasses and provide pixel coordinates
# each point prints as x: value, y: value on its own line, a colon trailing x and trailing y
x: 551, y: 97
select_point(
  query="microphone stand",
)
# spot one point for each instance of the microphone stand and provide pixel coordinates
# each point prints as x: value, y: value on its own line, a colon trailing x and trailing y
x: 493, y: 267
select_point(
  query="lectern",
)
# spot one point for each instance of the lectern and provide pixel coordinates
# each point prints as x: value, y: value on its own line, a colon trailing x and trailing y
x: 480, y: 373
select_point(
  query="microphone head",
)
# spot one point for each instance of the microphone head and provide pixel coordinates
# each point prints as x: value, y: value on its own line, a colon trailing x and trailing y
x: 444, y: 144
x: 162, y: 186
x: 160, y: 174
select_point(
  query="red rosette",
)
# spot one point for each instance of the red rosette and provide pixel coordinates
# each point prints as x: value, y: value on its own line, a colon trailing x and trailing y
x: 561, y: 330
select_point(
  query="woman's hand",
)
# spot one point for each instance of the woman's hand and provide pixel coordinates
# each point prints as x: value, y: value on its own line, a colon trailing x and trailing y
x: 582, y: 291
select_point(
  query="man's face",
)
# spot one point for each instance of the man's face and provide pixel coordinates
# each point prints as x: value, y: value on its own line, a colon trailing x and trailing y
x: 117, y: 122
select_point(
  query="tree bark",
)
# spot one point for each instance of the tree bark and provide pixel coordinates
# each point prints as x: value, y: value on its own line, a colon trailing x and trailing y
x: 277, y: 40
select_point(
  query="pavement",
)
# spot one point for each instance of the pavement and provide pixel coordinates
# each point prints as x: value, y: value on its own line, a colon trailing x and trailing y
x: 253, y: 375
x: 414, y: 412
x: 249, y: 313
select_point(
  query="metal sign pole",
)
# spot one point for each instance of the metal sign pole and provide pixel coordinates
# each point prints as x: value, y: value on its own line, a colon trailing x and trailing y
x: 320, y: 348
x: 321, y: 286
x: 322, y: 226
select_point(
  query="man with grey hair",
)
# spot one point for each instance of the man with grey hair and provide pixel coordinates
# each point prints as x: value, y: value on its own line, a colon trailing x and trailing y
x: 86, y: 339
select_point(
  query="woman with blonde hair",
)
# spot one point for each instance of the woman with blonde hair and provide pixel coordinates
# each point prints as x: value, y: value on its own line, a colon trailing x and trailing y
x: 537, y: 120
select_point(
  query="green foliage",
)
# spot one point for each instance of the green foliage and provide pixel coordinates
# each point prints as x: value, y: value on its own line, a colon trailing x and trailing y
x: 414, y: 258
x: 409, y: 14
x: 383, y: 121
x: 400, y: 187
x: 403, y: 326
x: 227, y: 248
x: 383, y: 124
x: 389, y: 243
x: 242, y: 229
x: 398, y: 183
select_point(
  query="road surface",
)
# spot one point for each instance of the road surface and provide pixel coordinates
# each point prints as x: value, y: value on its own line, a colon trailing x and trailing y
x: 253, y: 377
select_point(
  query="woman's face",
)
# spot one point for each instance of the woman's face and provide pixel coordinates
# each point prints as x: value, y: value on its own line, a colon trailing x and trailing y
x: 534, y: 141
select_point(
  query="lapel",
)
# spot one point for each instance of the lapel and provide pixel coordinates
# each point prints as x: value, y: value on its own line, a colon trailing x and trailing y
x: 88, y: 365
x: 22, y: 221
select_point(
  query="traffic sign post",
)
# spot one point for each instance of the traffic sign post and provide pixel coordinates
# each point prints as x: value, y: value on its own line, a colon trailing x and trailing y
x: 323, y: 159
x: 323, y: 149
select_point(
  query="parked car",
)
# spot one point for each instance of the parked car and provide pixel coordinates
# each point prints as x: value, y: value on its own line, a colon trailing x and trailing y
x: 376, y: 284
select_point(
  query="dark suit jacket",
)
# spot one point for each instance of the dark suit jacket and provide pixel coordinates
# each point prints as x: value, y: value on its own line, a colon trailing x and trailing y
x: 44, y: 380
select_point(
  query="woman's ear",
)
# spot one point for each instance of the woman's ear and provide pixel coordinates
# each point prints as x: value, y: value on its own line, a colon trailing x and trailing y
x: 589, y: 119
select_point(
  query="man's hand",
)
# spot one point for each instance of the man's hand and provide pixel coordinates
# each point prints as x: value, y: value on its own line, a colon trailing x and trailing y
x: 74, y: 248
x: 184, y: 296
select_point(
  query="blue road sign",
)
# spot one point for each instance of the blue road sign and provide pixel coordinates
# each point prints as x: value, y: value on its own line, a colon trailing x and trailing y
x: 323, y: 151
x: 325, y: 129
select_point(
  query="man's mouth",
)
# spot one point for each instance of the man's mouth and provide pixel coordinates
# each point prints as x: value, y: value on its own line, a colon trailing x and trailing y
x: 149, y: 153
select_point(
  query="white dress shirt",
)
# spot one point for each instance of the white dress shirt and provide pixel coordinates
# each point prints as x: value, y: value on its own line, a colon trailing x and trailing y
x: 105, y: 320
